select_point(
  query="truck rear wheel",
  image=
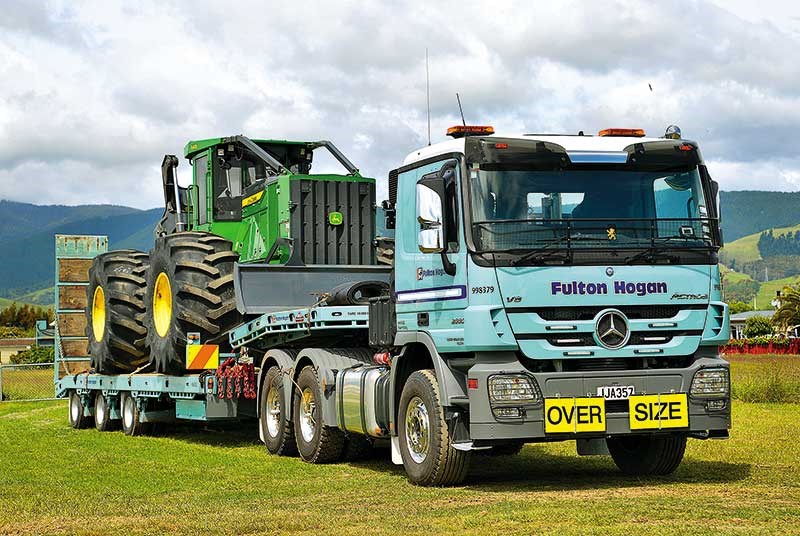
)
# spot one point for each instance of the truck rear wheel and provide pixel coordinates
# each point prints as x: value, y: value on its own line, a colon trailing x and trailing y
x: 428, y: 454
x: 115, y: 304
x: 316, y: 441
x: 76, y: 412
x: 644, y: 455
x: 276, y: 423
x: 189, y: 289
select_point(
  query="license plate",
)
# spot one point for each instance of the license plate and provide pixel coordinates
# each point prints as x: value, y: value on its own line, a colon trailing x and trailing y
x: 656, y: 412
x: 615, y: 392
x: 574, y: 415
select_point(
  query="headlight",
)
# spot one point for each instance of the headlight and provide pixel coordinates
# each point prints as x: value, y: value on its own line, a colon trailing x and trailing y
x: 513, y: 389
x: 711, y: 383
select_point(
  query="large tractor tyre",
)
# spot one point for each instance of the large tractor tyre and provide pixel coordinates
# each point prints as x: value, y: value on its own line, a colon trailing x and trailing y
x: 189, y: 289
x: 77, y: 419
x: 317, y: 442
x: 425, y: 445
x: 647, y: 455
x: 275, y: 418
x: 117, y: 281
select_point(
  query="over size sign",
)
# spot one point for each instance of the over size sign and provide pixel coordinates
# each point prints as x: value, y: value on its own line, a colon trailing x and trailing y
x: 574, y: 415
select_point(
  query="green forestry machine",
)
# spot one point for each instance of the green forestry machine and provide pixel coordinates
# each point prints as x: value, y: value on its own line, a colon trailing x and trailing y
x: 241, y: 240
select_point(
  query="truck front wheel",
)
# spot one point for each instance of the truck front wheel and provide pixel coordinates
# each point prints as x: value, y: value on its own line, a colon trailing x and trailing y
x: 428, y: 454
x: 647, y: 455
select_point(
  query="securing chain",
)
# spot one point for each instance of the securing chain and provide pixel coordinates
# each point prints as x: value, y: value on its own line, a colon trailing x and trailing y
x: 235, y: 380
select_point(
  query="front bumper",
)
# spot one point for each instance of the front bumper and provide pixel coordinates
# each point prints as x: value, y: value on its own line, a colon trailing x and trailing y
x: 484, y: 426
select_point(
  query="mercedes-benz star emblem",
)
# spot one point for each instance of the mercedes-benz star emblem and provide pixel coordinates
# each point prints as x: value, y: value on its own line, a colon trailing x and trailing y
x: 611, y: 329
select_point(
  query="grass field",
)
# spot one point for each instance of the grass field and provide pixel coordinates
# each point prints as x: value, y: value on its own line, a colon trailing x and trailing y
x: 55, y: 480
x: 745, y: 249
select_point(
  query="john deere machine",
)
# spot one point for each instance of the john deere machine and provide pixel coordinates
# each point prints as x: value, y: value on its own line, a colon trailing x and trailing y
x: 538, y: 288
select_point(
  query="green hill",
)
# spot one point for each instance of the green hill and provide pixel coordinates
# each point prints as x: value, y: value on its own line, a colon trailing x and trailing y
x: 745, y: 249
x: 27, y: 243
x: 748, y: 212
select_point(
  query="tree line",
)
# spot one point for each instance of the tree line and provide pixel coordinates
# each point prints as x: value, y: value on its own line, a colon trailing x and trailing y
x: 771, y: 245
x: 25, y: 316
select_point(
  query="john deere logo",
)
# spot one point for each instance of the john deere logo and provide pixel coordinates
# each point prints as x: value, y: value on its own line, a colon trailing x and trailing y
x: 335, y: 218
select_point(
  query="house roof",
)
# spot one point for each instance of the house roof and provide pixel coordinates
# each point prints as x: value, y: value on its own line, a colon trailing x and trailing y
x: 6, y: 343
x: 748, y: 314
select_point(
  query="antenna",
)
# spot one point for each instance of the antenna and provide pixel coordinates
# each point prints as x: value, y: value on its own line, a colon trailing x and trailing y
x: 428, y: 93
x: 460, y: 109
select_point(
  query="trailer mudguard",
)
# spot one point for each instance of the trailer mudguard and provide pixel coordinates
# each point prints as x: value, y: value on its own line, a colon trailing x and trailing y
x: 329, y: 362
x: 284, y: 360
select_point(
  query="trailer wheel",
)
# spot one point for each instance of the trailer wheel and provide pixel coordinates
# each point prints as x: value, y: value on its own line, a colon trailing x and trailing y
x: 77, y: 419
x: 316, y: 442
x: 428, y: 455
x: 276, y: 423
x: 102, y: 413
x: 644, y: 455
x: 130, y: 416
x: 189, y: 289
x: 115, y: 304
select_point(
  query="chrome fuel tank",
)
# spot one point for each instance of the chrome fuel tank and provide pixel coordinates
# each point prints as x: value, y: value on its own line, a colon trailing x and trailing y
x: 363, y: 400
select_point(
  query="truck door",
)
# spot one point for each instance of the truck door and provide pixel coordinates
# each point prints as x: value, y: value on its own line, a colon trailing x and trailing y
x: 428, y: 297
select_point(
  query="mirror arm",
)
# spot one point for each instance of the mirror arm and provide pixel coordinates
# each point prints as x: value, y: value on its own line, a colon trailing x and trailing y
x: 449, y: 267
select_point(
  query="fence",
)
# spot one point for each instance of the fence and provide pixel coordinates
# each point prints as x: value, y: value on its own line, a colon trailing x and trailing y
x: 756, y: 346
x: 27, y: 382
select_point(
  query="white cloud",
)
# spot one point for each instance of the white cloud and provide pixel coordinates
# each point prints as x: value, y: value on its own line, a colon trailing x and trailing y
x: 94, y: 93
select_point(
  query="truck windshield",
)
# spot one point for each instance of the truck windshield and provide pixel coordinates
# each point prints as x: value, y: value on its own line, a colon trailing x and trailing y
x: 598, y: 209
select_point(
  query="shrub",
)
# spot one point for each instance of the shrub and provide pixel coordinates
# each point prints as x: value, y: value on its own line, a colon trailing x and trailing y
x: 739, y: 307
x: 757, y: 326
x: 37, y: 354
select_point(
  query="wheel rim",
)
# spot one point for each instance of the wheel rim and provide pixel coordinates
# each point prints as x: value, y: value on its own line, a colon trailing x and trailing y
x: 99, y: 314
x: 74, y: 408
x: 273, y: 412
x: 308, y: 422
x: 127, y: 412
x: 100, y: 409
x: 417, y: 430
x: 162, y: 305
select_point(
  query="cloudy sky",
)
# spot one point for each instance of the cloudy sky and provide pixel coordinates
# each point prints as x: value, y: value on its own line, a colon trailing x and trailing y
x: 94, y: 94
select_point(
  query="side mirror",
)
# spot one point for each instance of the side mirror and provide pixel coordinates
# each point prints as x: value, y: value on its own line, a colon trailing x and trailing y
x: 430, y: 210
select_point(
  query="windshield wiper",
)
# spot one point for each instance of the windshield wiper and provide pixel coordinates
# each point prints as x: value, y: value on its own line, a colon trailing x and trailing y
x: 539, y: 254
x: 651, y: 255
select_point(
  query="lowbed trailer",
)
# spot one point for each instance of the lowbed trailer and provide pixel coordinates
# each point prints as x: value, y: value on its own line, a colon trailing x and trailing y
x: 541, y: 288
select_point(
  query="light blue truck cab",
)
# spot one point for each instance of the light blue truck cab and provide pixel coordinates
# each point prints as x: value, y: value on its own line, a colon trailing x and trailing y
x: 563, y: 287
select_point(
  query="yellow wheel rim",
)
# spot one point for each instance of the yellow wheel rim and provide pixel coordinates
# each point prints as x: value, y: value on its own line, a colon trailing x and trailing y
x: 162, y: 305
x: 99, y: 314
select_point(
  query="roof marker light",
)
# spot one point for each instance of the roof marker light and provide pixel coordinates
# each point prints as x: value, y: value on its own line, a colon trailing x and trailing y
x: 622, y: 132
x: 460, y: 131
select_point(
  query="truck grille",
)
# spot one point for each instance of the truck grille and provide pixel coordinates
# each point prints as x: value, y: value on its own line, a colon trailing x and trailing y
x: 600, y: 364
x: 635, y: 312
x: 638, y: 338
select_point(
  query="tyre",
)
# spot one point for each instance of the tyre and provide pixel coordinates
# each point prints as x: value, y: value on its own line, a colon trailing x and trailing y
x: 316, y: 442
x: 189, y: 289
x: 276, y: 423
x: 644, y: 455
x: 131, y: 424
x: 102, y: 414
x: 77, y: 419
x: 507, y: 449
x: 115, y: 293
x: 428, y: 455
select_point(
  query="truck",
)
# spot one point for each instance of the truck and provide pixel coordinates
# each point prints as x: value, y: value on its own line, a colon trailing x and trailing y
x: 523, y: 288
